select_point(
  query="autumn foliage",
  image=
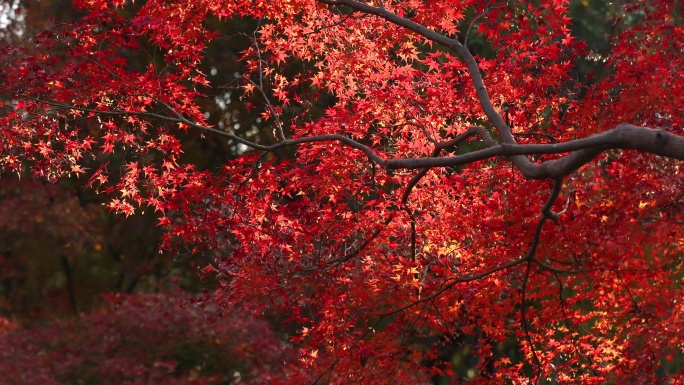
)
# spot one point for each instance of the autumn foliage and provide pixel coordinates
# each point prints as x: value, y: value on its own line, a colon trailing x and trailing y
x: 439, y: 179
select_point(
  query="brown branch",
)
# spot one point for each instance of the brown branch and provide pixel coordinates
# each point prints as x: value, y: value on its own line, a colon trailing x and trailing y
x: 494, y: 117
x: 456, y: 281
x: 566, y: 320
x: 581, y: 151
x: 528, y: 257
x: 472, y: 131
x: 347, y: 204
x: 439, y: 146
x: 181, y: 119
x: 324, y: 26
x: 555, y: 270
x: 523, y: 315
x: 363, y: 245
x: 278, y: 132
x: 537, y: 134
x: 624, y: 136
x: 555, y: 191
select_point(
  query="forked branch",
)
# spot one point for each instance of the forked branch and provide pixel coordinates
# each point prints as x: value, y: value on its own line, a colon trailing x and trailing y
x: 624, y: 136
x: 581, y: 151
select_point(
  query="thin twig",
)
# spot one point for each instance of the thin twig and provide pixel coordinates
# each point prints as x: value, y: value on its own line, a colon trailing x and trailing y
x: 524, y: 321
x: 279, y: 134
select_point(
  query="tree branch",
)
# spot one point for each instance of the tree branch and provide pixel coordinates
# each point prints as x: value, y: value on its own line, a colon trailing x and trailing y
x: 472, y: 131
x: 555, y: 191
x: 581, y: 151
x: 494, y: 117
x: 624, y: 136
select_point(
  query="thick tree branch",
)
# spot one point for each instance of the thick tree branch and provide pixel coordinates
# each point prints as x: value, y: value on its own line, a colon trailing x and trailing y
x: 439, y: 147
x: 494, y: 117
x: 581, y: 151
x: 624, y: 136
x: 555, y: 191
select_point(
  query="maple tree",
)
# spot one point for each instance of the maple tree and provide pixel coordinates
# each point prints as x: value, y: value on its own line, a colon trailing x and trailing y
x: 445, y: 179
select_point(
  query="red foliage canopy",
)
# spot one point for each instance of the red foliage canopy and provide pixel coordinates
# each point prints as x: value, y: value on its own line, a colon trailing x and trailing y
x: 446, y: 197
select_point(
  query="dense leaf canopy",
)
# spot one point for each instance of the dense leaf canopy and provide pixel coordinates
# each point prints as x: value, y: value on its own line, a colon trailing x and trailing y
x: 414, y: 184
